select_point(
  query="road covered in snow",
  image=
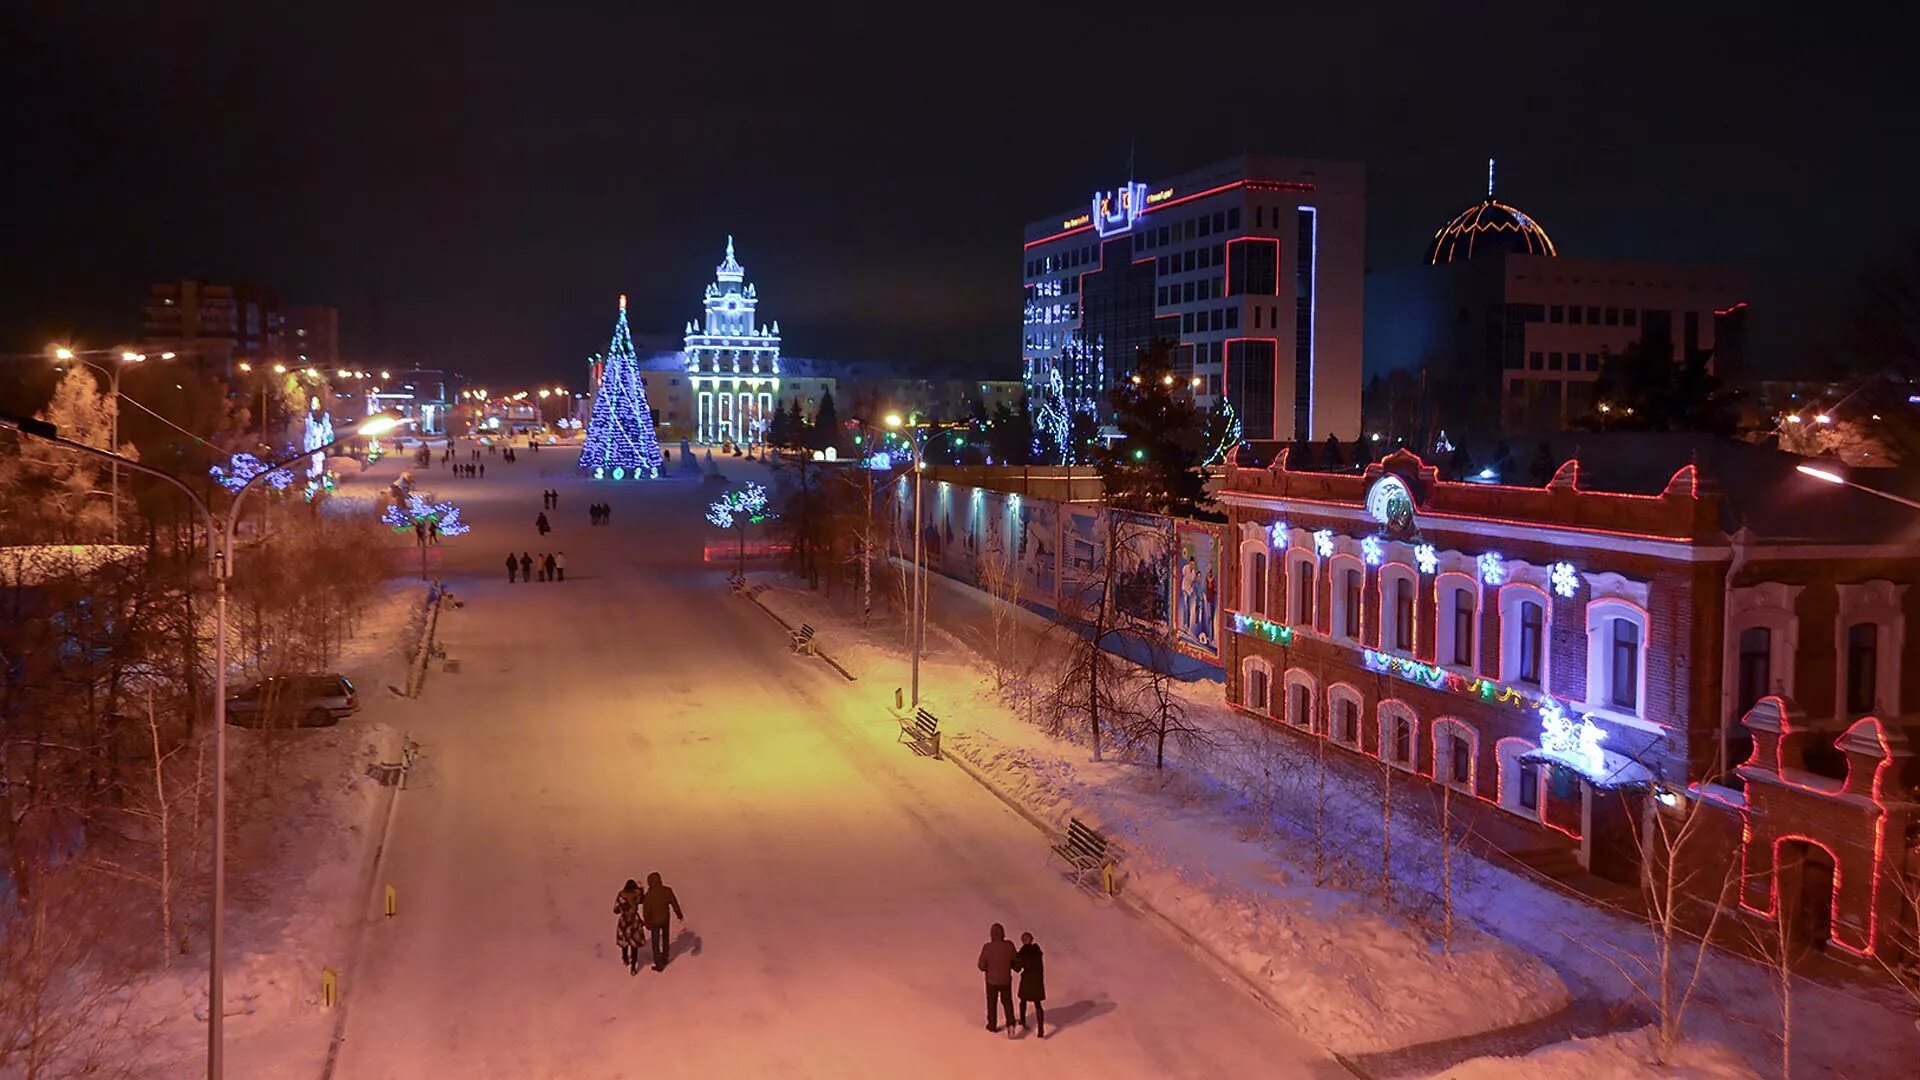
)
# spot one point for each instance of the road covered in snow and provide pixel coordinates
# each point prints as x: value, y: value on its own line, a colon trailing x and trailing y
x: 837, y: 887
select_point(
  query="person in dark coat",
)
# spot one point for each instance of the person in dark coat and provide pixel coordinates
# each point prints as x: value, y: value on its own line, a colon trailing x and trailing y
x: 551, y: 571
x: 627, y: 930
x: 996, y: 961
x: 513, y: 565
x: 541, y: 523
x: 526, y: 566
x: 1033, y: 982
x: 653, y: 909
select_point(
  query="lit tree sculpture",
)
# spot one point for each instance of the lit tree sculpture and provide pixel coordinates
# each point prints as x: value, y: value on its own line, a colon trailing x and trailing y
x: 736, y: 510
x: 428, y: 520
x: 244, y: 467
x: 620, y: 439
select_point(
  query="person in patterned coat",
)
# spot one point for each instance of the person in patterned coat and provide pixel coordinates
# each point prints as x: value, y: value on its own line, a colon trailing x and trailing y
x: 628, y: 930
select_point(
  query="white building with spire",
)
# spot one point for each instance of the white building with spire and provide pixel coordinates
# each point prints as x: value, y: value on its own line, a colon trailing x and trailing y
x: 733, y: 362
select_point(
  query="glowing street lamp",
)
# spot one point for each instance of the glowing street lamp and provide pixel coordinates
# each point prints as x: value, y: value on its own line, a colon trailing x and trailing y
x: 1828, y: 476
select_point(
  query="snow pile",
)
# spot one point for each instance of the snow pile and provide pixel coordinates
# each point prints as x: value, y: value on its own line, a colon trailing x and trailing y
x: 1626, y: 1055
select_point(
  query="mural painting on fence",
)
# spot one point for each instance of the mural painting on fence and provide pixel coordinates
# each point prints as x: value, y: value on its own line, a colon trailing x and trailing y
x: 1196, y: 602
x: 1039, y: 547
x: 1083, y: 560
x: 995, y: 549
x: 1142, y: 577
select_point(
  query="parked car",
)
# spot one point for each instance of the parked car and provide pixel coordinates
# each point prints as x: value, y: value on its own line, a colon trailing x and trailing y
x: 294, y: 701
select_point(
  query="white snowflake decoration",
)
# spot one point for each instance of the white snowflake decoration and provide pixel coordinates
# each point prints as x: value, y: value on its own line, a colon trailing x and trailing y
x: 1277, y: 534
x: 1565, y: 580
x: 1493, y: 568
x: 1323, y: 542
x: 1371, y: 550
x: 1426, y: 558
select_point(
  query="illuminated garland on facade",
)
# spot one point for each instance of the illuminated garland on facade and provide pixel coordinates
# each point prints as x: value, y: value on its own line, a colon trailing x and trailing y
x: 1258, y: 627
x: 1573, y: 743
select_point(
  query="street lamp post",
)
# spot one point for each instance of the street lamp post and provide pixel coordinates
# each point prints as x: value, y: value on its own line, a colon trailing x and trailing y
x: 1831, y: 477
x: 222, y: 564
x: 918, y: 613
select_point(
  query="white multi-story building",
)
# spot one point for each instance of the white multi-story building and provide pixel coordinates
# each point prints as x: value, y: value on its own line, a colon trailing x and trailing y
x: 733, y: 363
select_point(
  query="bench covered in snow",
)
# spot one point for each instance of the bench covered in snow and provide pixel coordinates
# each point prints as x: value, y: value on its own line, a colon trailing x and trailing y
x: 1084, y: 849
x: 803, y: 639
x: 922, y: 730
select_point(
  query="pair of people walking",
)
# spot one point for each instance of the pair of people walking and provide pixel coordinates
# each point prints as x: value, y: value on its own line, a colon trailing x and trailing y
x: 644, y: 918
x: 598, y: 513
x: 549, y: 499
x: 999, y: 961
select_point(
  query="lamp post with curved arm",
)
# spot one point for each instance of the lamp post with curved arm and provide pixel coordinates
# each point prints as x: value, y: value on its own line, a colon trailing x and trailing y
x: 220, y: 541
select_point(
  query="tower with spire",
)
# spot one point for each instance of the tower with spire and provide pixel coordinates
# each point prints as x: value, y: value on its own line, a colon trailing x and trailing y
x: 620, y: 443
x: 733, y: 361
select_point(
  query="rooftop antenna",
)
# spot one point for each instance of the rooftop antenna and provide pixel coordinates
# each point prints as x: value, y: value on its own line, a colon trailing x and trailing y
x: 1489, y: 178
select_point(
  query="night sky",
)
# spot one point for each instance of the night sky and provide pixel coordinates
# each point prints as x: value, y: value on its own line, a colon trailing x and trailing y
x: 473, y: 188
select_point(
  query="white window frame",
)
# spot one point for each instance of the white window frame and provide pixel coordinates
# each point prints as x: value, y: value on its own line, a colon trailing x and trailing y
x: 1299, y: 677
x: 1878, y: 602
x: 1390, y: 573
x: 1346, y: 692
x: 1337, y: 567
x: 1446, y: 585
x: 1383, y: 733
x: 1507, y: 753
x: 1453, y: 725
x: 1254, y: 594
x: 1600, y: 617
x: 1511, y: 596
x: 1296, y: 556
x: 1248, y: 666
x: 1770, y: 606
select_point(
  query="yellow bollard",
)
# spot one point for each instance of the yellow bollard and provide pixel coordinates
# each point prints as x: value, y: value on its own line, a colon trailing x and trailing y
x: 329, y: 988
x: 1107, y: 881
x: 393, y: 901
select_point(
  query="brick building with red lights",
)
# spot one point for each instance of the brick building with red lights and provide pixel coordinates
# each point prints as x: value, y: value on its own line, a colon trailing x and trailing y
x: 1669, y: 615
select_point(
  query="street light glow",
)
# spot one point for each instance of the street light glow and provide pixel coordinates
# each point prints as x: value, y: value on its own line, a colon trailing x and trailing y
x: 245, y: 367
x: 893, y: 420
x: 132, y: 357
x: 1821, y: 474
x: 279, y: 369
x: 379, y: 425
x: 166, y: 356
x: 62, y: 353
x: 1823, y: 418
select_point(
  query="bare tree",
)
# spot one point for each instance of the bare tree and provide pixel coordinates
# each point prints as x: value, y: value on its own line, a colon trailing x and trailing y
x: 1772, y: 939
x: 1901, y: 960
x: 1000, y: 578
x: 1159, y: 714
x: 63, y: 1002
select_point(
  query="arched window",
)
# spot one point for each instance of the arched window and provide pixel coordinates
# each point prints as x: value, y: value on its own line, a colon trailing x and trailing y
x: 1398, y: 733
x: 1253, y: 578
x: 1399, y: 596
x: 1457, y: 628
x: 1300, y: 698
x: 1519, y: 781
x: 1456, y: 754
x: 1524, y: 622
x: 1301, y: 573
x: 1870, y: 639
x: 1256, y: 684
x: 1343, y: 720
x: 1347, y: 596
x: 1616, y: 656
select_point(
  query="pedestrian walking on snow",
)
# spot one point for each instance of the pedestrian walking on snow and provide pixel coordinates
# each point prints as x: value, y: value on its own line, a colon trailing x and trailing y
x: 513, y: 567
x: 560, y: 566
x: 541, y: 523
x: 653, y: 909
x: 550, y: 571
x: 1033, y: 983
x: 483, y: 470
x: 996, y: 961
x: 526, y: 567
x: 628, y: 930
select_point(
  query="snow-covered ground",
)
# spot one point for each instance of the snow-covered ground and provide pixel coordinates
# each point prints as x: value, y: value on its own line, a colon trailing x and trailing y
x: 1357, y: 979
x: 838, y: 887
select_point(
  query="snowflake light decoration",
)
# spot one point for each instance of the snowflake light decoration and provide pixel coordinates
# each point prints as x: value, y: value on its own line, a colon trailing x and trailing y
x: 1493, y: 568
x: 1565, y: 581
x: 244, y: 467
x: 1427, y: 559
x: 418, y: 511
x: 1277, y: 534
x: 1371, y: 550
x: 1323, y: 542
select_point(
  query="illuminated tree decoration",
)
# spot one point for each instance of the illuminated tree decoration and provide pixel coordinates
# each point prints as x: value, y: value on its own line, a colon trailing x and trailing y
x: 418, y: 511
x: 1323, y: 542
x: 1493, y: 568
x: 1565, y: 580
x: 1277, y: 534
x: 1372, y: 550
x: 620, y: 435
x: 745, y: 506
x: 317, y: 433
x: 1427, y: 559
x: 244, y: 467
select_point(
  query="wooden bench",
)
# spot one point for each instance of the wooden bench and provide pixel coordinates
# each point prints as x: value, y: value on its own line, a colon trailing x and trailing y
x: 922, y: 731
x: 738, y: 583
x: 803, y: 639
x: 1086, y: 851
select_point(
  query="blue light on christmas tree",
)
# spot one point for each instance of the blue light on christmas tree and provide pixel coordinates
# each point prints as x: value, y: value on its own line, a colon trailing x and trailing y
x: 620, y: 440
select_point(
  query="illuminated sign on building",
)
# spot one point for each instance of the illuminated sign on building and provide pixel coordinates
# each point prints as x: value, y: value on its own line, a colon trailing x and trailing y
x: 1076, y: 222
x: 1158, y: 197
x: 1114, y: 212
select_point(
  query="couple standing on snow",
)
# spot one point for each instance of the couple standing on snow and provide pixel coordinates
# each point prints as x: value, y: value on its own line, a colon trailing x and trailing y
x: 999, y: 960
x: 644, y: 919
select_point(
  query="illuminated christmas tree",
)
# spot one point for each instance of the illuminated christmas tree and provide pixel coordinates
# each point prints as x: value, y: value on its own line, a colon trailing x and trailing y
x: 620, y: 440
